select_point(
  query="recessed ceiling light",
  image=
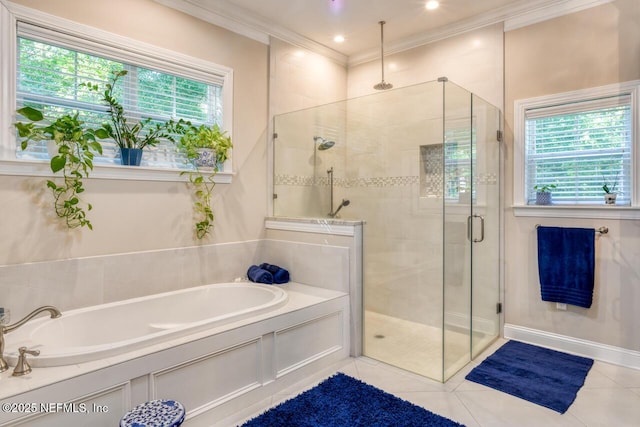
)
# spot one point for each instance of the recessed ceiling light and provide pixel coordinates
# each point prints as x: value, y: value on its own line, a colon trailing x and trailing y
x: 338, y: 39
x: 432, y: 4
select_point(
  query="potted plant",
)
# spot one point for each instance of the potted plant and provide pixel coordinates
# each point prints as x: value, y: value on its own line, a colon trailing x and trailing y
x: 76, y: 145
x: 543, y: 193
x: 609, y: 192
x: 132, y: 137
x: 207, y: 148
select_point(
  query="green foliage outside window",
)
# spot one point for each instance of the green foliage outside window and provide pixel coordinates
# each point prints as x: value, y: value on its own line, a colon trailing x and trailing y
x: 53, y: 80
x: 579, y: 151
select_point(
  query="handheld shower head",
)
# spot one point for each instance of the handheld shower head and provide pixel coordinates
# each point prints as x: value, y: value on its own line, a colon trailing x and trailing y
x: 345, y: 202
x: 324, y: 144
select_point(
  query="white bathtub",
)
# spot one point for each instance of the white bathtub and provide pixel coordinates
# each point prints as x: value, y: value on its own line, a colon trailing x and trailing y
x: 92, y: 333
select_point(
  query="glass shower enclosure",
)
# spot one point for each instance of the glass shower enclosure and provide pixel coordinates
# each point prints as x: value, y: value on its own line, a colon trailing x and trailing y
x: 420, y: 165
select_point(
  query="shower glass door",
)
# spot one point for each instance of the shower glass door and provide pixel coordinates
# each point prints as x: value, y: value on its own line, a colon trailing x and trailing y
x: 471, y: 227
x: 457, y: 224
x: 485, y: 254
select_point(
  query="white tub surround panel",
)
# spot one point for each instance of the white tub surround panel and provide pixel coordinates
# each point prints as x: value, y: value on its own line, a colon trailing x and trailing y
x: 81, y: 282
x: 214, y: 373
x: 332, y: 250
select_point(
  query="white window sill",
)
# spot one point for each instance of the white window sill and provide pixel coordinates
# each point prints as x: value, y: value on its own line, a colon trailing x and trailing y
x: 566, y: 211
x: 132, y: 173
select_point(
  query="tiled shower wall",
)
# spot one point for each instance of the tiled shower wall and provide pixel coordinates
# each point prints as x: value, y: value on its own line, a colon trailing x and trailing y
x: 377, y: 166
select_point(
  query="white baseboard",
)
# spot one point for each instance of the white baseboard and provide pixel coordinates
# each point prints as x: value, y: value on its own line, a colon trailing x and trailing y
x: 603, y: 352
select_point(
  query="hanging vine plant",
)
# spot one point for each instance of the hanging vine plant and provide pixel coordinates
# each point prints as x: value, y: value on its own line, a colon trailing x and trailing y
x: 75, y: 145
x: 194, y: 140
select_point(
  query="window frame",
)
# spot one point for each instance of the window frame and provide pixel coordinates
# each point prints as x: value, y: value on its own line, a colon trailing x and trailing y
x: 521, y: 106
x: 100, y: 42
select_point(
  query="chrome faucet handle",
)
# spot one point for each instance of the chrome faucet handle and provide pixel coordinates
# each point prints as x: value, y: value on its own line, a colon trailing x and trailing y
x: 23, y: 367
x: 8, y: 328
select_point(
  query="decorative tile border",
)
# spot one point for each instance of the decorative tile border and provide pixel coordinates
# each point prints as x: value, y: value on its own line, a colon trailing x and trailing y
x: 382, y: 181
x: 293, y: 180
x: 432, y: 181
x: 386, y: 181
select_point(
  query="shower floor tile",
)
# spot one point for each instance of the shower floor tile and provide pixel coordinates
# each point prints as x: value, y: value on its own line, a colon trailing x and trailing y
x: 416, y: 347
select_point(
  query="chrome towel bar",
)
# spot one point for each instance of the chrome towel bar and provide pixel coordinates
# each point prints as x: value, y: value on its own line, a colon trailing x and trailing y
x: 601, y: 230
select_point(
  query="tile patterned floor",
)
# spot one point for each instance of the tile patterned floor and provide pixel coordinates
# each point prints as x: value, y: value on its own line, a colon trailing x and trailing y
x: 610, y: 396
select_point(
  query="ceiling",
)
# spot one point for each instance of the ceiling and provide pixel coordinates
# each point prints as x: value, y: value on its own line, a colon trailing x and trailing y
x: 315, y: 22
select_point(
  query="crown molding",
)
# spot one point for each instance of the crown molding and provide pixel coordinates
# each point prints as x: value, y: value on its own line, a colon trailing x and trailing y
x: 243, y: 22
x: 218, y: 17
x: 550, y: 11
x: 514, y: 16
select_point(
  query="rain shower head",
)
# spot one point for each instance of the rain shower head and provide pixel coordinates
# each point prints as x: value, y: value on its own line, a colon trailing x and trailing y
x: 323, y: 143
x: 382, y: 85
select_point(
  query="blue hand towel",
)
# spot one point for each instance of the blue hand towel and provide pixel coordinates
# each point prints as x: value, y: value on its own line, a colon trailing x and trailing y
x: 259, y: 275
x: 566, y: 264
x: 280, y: 275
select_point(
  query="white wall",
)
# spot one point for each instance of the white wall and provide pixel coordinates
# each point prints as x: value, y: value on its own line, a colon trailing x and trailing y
x: 143, y: 240
x: 137, y: 215
x: 300, y: 79
x: 590, y: 48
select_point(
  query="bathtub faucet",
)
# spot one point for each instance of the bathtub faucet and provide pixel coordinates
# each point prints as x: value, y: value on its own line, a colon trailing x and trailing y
x: 5, y: 329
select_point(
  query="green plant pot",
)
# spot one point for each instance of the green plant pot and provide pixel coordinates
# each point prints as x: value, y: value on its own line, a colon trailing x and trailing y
x: 131, y: 156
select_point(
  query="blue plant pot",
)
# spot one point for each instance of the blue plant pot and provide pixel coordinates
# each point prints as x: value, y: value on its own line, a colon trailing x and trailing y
x: 131, y: 156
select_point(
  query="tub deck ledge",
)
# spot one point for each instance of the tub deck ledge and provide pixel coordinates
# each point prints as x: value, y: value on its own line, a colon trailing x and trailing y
x: 300, y: 296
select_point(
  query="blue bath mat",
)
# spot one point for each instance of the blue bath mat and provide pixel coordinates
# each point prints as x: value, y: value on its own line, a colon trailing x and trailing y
x: 342, y: 401
x: 542, y: 376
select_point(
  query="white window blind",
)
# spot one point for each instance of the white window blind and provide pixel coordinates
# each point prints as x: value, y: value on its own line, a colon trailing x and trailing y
x: 51, y: 68
x: 580, y: 146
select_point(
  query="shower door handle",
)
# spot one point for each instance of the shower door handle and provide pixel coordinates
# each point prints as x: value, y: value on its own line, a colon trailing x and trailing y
x: 481, y: 228
x: 469, y: 219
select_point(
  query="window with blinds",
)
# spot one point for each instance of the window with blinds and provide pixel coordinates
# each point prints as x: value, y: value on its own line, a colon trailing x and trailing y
x: 579, y: 147
x: 50, y: 77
